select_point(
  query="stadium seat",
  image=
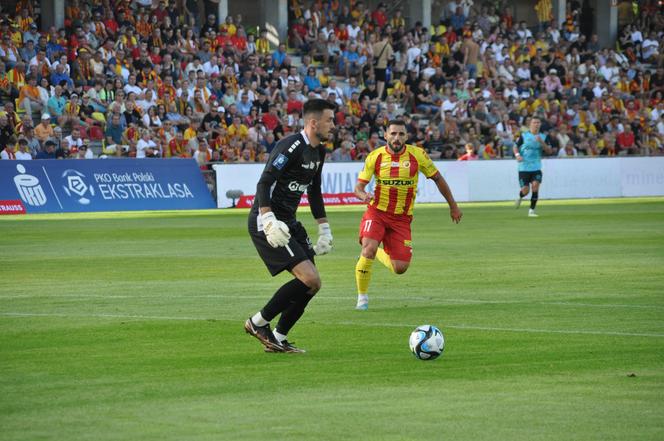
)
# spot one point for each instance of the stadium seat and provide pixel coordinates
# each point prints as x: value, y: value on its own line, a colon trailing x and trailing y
x: 96, y: 133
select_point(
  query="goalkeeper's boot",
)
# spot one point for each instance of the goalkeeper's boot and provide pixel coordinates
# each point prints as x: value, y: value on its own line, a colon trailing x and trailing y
x: 264, y: 335
x: 287, y: 346
x: 531, y: 213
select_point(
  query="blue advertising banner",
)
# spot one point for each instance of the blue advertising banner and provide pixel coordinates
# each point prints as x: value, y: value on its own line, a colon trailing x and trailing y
x: 48, y: 186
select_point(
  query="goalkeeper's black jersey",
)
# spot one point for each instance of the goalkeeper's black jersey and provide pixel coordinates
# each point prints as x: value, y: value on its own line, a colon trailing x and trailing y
x: 294, y: 166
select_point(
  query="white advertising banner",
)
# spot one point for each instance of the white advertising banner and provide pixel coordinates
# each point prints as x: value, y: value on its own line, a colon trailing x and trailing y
x: 642, y: 176
x: 486, y: 180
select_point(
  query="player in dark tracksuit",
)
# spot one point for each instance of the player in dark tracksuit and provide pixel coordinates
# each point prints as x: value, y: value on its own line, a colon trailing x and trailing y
x: 294, y: 166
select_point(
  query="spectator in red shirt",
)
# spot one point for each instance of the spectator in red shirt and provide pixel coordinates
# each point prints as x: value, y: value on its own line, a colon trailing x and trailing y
x: 293, y: 105
x: 626, y: 141
x: 160, y: 12
x: 239, y: 40
x: 271, y: 119
x: 470, y: 154
x: 298, y: 33
x: 379, y: 17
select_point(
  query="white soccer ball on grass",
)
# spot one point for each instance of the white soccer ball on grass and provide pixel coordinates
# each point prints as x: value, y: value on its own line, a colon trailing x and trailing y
x: 427, y: 342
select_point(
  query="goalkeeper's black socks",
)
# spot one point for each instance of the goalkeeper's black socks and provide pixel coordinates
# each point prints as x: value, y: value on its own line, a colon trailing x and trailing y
x: 287, y: 295
x: 522, y: 194
x: 293, y: 313
x: 533, y: 199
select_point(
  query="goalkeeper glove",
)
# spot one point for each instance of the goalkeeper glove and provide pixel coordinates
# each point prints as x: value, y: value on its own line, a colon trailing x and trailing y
x: 324, y: 244
x: 276, y: 231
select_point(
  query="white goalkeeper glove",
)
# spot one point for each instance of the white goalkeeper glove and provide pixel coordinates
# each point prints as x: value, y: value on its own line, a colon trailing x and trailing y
x: 276, y: 231
x: 324, y: 243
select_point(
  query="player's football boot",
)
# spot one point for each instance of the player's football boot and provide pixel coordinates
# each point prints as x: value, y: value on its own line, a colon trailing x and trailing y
x: 362, y: 306
x: 264, y: 335
x: 531, y: 213
x: 288, y: 347
x: 517, y: 203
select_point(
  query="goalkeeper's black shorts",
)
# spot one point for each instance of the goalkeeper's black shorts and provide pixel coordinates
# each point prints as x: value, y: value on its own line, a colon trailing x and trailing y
x: 276, y: 260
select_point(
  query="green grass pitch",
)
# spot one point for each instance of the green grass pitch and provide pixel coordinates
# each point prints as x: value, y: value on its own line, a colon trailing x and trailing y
x: 129, y: 327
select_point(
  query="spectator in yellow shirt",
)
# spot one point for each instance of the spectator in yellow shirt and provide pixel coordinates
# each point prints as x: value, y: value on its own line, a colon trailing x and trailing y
x: 237, y: 129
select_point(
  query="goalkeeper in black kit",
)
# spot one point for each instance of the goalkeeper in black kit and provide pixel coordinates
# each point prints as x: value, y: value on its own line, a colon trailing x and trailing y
x: 294, y: 166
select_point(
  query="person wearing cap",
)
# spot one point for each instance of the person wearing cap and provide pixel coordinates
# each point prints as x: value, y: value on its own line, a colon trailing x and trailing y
x: 84, y: 152
x: 552, y: 83
x: 31, y: 34
x: 44, y: 130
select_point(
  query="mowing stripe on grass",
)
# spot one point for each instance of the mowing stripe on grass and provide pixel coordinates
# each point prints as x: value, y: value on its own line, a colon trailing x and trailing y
x: 324, y: 298
x: 342, y: 323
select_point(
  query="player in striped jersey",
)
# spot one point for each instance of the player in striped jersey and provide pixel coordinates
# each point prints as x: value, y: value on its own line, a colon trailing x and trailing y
x: 395, y: 168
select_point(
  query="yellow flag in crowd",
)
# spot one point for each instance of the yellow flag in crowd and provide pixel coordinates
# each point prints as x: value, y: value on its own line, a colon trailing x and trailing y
x: 544, y: 10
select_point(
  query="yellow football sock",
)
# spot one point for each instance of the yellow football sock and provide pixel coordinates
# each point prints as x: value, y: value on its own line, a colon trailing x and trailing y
x: 384, y: 258
x: 363, y: 274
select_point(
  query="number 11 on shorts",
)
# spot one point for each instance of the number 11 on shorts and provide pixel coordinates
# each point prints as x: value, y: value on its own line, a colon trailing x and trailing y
x: 367, y: 225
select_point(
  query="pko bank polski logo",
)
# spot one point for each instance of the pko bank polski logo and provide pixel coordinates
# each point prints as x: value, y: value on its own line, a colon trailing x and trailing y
x: 76, y: 187
x: 29, y: 188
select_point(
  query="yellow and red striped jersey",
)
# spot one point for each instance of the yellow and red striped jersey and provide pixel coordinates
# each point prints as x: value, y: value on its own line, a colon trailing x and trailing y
x: 396, y: 177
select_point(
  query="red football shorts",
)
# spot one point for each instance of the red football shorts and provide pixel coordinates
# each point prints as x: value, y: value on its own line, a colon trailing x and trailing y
x: 391, y: 229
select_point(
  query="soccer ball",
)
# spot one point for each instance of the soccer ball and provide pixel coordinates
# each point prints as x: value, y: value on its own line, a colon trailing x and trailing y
x: 427, y: 342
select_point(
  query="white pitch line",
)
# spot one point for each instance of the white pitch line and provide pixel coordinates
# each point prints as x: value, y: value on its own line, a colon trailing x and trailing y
x: 437, y: 301
x: 345, y: 323
x: 126, y: 316
x: 526, y: 330
x: 606, y: 305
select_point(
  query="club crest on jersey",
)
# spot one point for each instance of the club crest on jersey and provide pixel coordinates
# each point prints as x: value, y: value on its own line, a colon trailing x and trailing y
x: 405, y: 164
x: 280, y: 161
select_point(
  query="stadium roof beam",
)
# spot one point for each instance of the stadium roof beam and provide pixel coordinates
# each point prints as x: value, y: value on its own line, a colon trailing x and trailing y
x: 53, y: 13
x: 222, y: 11
x: 606, y: 21
x: 420, y: 10
x: 274, y: 17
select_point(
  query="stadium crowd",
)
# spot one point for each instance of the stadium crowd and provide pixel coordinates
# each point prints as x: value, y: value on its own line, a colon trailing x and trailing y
x: 149, y: 78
